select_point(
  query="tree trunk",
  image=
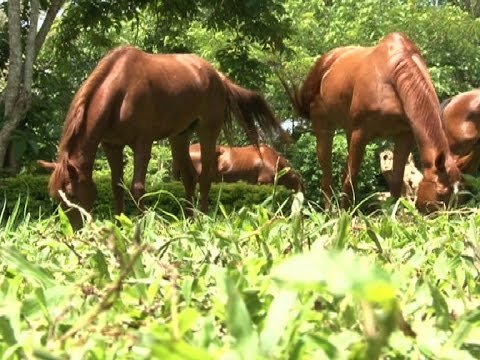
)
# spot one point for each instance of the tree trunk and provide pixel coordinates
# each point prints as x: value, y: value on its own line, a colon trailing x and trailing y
x: 17, y: 95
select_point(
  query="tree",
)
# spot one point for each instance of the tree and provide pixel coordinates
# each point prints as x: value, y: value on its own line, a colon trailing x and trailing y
x: 17, y: 96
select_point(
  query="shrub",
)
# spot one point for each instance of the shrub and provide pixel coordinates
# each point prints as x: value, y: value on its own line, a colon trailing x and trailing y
x: 167, y: 196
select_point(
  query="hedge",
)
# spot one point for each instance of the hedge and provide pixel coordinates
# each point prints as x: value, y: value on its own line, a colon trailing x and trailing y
x: 33, y: 194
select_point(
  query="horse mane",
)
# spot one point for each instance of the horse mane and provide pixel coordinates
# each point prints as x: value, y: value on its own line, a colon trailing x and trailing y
x: 443, y: 106
x: 75, y: 118
x: 444, y: 103
x: 418, y: 96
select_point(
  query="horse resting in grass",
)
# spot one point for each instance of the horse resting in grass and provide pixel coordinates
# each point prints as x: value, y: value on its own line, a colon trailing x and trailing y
x: 461, y: 120
x: 382, y: 91
x: 248, y: 163
x: 134, y: 98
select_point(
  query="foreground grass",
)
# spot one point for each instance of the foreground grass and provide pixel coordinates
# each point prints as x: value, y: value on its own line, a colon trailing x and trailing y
x: 250, y: 285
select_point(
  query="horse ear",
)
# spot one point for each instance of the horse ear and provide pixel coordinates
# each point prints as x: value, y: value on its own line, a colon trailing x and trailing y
x: 47, y: 165
x: 464, y: 160
x: 440, y: 161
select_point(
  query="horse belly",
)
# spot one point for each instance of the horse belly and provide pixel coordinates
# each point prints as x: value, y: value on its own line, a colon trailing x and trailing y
x: 386, y: 126
x: 382, y: 112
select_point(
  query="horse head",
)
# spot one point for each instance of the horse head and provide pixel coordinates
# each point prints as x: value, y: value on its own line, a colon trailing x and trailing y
x: 78, y: 188
x: 438, y: 184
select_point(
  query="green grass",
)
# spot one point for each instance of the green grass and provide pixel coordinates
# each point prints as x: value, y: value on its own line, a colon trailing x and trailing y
x: 253, y: 284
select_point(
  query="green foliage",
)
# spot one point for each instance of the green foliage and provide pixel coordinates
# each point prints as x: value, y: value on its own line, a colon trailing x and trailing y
x: 303, y: 157
x: 446, y: 36
x: 236, y: 287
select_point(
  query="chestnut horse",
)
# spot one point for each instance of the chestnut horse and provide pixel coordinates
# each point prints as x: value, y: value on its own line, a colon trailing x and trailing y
x: 134, y: 98
x: 461, y: 120
x: 382, y: 91
x: 248, y: 163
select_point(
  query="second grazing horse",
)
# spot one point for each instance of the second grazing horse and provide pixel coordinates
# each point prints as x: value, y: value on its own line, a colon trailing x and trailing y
x: 461, y: 119
x: 382, y: 91
x: 247, y: 163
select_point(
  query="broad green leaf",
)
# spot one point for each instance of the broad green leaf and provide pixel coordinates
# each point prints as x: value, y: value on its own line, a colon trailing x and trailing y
x: 187, y: 284
x: 44, y: 355
x: 441, y: 307
x: 178, y: 350
x: 6, y: 331
x: 32, y: 272
x: 238, y: 320
x: 101, y: 265
x: 342, y: 273
x: 186, y: 319
x: 340, y: 240
x: 65, y: 225
x: 278, y: 316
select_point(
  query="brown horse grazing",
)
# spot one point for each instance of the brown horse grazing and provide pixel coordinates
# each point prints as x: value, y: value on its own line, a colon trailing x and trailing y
x: 383, y: 91
x: 133, y: 98
x: 461, y: 120
x: 249, y: 164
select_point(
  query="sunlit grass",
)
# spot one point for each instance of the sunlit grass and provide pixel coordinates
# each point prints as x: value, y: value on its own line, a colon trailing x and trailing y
x: 255, y: 283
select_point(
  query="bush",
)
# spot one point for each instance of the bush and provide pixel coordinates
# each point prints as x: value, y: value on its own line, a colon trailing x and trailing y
x: 33, y: 194
x: 303, y: 157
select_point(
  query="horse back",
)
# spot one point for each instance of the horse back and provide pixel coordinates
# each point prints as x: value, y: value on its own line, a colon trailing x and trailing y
x: 461, y: 121
x: 147, y: 91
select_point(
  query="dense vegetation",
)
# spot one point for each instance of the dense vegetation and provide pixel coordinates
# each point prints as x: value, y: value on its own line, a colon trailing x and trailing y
x: 266, y: 274
x: 252, y: 284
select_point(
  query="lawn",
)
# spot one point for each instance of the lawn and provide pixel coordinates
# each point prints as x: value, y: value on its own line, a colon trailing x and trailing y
x: 258, y: 283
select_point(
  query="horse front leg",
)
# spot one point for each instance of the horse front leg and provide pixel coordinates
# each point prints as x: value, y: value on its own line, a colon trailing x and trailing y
x: 184, y: 166
x: 114, y: 154
x: 324, y: 132
x: 141, y: 156
x: 402, y: 148
x: 356, y: 151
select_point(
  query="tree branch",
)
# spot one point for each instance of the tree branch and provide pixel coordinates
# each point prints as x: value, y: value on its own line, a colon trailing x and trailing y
x: 15, y: 56
x: 30, y: 46
x: 47, y: 24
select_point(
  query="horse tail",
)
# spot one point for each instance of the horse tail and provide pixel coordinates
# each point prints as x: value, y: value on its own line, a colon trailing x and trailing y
x: 250, y: 108
x: 293, y: 95
x: 78, y: 108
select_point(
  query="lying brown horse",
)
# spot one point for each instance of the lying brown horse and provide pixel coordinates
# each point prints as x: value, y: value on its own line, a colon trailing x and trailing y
x: 248, y: 163
x: 461, y: 120
x: 383, y: 91
x: 133, y: 98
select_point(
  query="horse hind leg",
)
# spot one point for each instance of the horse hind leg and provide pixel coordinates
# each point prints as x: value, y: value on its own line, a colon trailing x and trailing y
x: 402, y: 148
x: 181, y: 157
x: 324, y: 132
x: 114, y: 154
